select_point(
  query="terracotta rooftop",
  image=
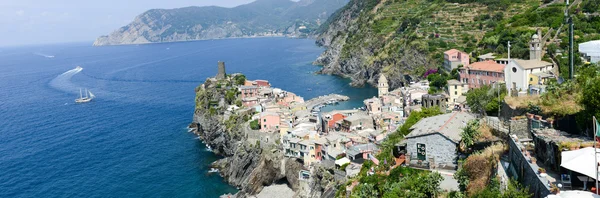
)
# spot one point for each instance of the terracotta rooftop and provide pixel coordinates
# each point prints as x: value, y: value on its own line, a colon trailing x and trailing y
x: 488, y: 65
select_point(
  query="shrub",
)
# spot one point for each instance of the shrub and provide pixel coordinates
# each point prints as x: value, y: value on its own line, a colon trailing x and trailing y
x: 254, y: 125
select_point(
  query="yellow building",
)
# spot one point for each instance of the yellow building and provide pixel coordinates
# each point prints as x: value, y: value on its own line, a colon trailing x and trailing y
x: 539, y: 78
x: 455, y: 90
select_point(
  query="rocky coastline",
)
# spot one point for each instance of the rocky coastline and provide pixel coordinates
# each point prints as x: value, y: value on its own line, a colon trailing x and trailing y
x: 247, y: 165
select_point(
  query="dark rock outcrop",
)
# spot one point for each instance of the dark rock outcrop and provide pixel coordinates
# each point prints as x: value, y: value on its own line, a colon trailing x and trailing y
x: 246, y: 166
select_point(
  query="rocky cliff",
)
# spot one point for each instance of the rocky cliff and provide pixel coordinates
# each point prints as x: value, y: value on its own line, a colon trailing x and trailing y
x: 403, y: 39
x: 246, y: 165
x: 259, y: 18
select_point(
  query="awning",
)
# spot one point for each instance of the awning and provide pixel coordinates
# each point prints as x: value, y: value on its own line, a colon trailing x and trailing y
x: 574, y: 194
x: 342, y: 161
x: 581, y: 161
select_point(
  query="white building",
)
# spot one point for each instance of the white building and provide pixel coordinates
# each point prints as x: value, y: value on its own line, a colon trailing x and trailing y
x: 519, y: 73
x: 590, y: 51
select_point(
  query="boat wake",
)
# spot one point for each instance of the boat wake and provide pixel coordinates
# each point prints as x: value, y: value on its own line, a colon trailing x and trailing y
x: 44, y: 55
x: 63, y: 82
x: 213, y: 170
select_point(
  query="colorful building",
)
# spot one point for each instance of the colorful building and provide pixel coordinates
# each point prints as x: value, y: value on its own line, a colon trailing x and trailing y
x: 269, y: 121
x: 455, y: 90
x: 248, y: 91
x: 453, y: 58
x: 482, y: 73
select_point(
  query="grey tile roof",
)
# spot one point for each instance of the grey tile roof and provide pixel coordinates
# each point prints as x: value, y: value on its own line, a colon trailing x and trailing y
x: 449, y: 125
x: 532, y: 64
x: 355, y: 150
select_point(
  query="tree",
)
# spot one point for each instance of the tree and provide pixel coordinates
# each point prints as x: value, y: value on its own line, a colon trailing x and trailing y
x: 486, y: 100
x: 230, y: 96
x: 240, y: 79
x: 470, y: 134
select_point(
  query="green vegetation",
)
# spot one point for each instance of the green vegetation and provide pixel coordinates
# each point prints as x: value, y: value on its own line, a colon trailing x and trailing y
x: 239, y: 79
x: 475, y: 176
x: 470, y: 134
x: 254, y: 125
x: 231, y: 96
x: 486, y: 99
x: 416, y: 116
x: 401, y: 182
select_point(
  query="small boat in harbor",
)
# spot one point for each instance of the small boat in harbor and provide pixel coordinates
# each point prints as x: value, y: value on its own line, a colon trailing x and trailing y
x: 88, y: 97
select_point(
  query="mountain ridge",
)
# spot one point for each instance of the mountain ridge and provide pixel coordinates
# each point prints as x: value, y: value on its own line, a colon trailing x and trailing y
x: 256, y: 19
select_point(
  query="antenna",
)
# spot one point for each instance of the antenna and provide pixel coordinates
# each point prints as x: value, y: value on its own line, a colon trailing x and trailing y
x: 570, y: 23
x: 509, y: 51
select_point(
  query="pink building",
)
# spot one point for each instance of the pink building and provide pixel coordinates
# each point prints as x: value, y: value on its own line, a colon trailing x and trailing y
x: 269, y: 121
x: 249, y: 101
x: 482, y: 73
x: 453, y: 58
x: 249, y: 91
x: 291, y: 98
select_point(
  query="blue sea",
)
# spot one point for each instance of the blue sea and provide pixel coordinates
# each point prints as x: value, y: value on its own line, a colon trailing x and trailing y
x: 131, y: 141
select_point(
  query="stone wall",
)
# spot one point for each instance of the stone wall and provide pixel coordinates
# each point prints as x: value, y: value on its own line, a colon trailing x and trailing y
x: 525, y: 172
x: 507, y: 112
x: 439, y: 150
x: 520, y: 128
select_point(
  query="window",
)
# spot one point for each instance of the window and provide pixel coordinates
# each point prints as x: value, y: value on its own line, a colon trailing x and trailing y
x: 530, y: 79
x: 455, y: 93
x: 312, y: 147
x: 514, y: 69
x: 455, y: 86
x: 264, y: 120
x: 277, y: 127
x: 265, y: 126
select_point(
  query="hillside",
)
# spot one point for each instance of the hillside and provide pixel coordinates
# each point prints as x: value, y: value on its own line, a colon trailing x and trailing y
x: 403, y: 38
x: 259, y: 18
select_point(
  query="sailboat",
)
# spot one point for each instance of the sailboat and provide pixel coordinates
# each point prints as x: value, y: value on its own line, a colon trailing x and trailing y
x: 88, y: 97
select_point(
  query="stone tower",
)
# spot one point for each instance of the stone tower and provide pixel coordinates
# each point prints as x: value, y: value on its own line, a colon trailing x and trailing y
x: 535, y: 48
x: 382, y: 85
x: 221, y: 73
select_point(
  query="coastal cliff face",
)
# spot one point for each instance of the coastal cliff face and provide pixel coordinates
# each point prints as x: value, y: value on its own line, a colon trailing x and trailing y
x: 259, y: 18
x: 246, y: 165
x: 355, y: 51
x: 402, y: 39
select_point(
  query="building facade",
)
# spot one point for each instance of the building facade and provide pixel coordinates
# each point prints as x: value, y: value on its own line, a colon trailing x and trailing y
x: 382, y: 85
x: 435, y: 100
x: 269, y: 121
x: 453, y: 58
x: 482, y: 73
x: 455, y: 90
x: 519, y: 74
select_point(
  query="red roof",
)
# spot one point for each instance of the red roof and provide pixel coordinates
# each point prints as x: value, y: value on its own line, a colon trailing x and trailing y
x: 488, y: 65
x: 334, y: 118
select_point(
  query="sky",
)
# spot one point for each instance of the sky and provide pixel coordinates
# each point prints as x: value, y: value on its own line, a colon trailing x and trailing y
x: 32, y: 22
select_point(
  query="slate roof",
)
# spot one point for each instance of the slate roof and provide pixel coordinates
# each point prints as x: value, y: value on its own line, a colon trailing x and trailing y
x: 448, y: 125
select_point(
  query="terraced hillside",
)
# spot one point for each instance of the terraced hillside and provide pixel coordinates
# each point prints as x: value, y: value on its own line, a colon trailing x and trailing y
x: 403, y: 38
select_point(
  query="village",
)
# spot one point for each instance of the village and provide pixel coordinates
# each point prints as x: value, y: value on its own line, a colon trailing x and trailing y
x: 343, y: 140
